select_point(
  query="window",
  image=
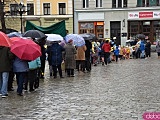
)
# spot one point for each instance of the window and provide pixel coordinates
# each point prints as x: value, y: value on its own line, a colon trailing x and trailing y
x: 125, y: 3
x: 152, y: 2
x: 46, y: 8
x: 119, y: 3
x: 13, y: 9
x: 62, y: 9
x: 98, y: 3
x: 147, y: 3
x: 85, y: 3
x: 86, y: 27
x: 113, y: 3
x: 30, y: 9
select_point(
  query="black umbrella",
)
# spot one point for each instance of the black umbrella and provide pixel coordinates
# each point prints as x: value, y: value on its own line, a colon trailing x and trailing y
x: 140, y: 36
x: 34, y: 34
x: 88, y: 36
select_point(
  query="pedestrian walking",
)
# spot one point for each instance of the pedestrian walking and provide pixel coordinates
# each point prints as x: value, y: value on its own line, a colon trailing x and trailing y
x: 55, y: 51
x: 69, y: 57
x: 158, y: 49
x: 5, y: 67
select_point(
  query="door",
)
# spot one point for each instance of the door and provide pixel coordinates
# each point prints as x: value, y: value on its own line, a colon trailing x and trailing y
x: 115, y: 29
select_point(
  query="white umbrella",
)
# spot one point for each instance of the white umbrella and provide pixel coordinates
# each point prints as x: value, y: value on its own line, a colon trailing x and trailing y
x: 54, y: 37
x: 77, y: 39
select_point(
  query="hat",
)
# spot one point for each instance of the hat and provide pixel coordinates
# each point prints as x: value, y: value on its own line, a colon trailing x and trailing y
x: 70, y: 41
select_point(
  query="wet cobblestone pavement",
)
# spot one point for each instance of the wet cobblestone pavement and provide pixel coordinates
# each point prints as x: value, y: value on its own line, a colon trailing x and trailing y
x: 118, y: 91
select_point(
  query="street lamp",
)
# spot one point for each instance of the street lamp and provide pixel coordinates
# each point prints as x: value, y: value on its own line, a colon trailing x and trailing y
x: 21, y: 9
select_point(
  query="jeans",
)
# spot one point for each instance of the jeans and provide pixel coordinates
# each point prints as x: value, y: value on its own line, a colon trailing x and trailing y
x: 4, y: 82
x: 21, y: 77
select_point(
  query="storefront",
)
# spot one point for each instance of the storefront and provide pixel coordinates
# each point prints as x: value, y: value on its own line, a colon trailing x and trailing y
x: 147, y: 23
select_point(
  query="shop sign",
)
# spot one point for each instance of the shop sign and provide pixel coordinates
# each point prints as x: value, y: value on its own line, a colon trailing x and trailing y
x: 144, y: 14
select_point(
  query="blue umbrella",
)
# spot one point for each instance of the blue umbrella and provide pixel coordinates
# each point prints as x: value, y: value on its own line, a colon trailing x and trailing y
x: 14, y: 34
x: 77, y: 39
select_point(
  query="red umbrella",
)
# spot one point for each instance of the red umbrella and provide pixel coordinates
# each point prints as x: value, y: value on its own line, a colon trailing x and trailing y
x: 26, y: 49
x: 13, y: 39
x: 4, y: 40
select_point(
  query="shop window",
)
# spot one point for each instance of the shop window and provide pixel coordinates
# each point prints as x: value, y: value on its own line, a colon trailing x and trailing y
x: 86, y: 27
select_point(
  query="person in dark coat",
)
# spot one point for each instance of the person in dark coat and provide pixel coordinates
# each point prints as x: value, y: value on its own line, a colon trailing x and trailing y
x: 55, y: 52
x: 148, y: 49
x: 41, y: 42
x: 5, y: 67
x: 88, y: 55
x: 69, y: 55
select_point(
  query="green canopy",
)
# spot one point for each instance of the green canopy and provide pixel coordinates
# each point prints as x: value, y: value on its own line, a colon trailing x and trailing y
x: 58, y: 28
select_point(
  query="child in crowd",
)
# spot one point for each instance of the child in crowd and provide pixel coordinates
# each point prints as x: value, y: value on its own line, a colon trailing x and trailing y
x: 116, y: 53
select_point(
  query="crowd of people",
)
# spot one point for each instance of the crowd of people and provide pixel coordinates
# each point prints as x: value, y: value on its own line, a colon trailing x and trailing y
x: 79, y: 58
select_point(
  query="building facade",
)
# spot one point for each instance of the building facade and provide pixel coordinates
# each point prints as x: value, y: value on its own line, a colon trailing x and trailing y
x: 42, y: 13
x: 120, y: 19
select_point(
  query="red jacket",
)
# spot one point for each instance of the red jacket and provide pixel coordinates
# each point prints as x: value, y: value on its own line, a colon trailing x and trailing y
x: 106, y: 47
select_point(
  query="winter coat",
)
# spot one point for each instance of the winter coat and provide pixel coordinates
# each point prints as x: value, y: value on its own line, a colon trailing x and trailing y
x: 69, y: 56
x: 142, y: 45
x: 116, y: 51
x: 81, y: 53
x: 55, y: 54
x: 20, y: 65
x: 106, y: 47
x: 5, y: 59
x: 35, y: 64
x: 158, y: 47
x: 89, y: 47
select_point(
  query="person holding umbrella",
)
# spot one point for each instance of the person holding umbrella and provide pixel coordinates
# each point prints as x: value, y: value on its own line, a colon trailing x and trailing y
x: 5, y: 67
x: 55, y: 52
x: 25, y: 50
x: 6, y: 62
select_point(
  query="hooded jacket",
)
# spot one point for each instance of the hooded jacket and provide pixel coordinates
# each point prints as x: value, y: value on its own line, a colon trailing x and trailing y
x: 6, y: 58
